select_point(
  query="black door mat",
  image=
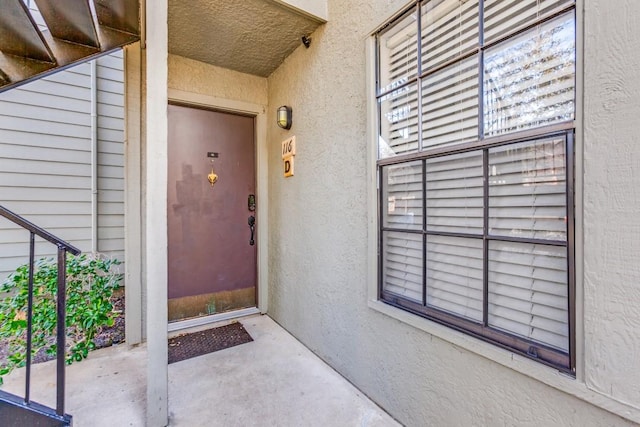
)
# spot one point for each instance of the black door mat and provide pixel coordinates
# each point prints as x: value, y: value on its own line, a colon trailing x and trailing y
x: 196, y: 344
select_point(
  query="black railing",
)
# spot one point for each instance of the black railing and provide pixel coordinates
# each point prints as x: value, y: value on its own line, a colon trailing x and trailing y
x: 63, y: 248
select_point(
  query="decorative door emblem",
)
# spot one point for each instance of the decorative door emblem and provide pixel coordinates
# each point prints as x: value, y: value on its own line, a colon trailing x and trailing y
x: 212, y: 177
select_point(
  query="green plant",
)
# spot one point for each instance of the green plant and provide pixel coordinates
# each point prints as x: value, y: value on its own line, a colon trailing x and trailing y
x: 91, y: 280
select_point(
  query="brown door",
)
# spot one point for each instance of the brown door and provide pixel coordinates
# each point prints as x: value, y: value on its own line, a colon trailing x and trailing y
x: 212, y: 263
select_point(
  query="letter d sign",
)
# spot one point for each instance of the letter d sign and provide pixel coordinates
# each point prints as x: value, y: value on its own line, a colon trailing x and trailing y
x: 288, y: 166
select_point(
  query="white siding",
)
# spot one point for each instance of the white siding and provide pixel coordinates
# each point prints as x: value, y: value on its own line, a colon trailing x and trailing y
x: 45, y: 160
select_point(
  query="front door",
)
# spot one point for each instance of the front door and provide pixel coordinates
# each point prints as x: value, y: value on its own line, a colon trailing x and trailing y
x: 211, y: 203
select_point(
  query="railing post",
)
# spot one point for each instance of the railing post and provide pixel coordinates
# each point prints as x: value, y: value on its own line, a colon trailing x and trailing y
x: 27, y: 387
x: 60, y: 329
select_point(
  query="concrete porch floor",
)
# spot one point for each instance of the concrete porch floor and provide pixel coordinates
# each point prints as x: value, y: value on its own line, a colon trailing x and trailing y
x: 272, y: 381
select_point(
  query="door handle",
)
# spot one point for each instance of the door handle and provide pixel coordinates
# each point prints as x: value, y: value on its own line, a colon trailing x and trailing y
x: 252, y: 224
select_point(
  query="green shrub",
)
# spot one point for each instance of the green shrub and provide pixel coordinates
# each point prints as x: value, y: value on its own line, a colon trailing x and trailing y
x: 90, y: 283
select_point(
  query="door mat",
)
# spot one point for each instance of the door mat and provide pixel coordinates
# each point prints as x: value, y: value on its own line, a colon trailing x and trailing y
x: 196, y: 344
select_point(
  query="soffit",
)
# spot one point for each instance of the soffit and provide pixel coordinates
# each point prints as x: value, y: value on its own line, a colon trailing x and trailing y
x: 250, y: 36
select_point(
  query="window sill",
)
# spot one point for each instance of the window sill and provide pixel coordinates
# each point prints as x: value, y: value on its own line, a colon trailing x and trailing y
x: 523, y: 365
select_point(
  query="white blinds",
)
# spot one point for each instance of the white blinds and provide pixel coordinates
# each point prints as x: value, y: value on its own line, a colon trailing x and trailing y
x: 450, y: 104
x: 455, y: 193
x: 527, y: 190
x: 398, y: 52
x: 402, y: 209
x: 399, y: 122
x: 527, y: 281
x: 516, y: 80
x: 402, y: 203
x: 529, y: 80
x: 402, y: 264
x: 454, y: 275
x: 528, y: 291
x: 449, y: 29
x: 503, y: 16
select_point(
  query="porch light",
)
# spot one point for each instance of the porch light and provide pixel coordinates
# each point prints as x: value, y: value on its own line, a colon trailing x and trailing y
x: 284, y: 117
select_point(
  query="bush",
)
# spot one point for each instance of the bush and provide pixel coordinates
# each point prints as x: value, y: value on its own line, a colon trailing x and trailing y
x: 90, y: 283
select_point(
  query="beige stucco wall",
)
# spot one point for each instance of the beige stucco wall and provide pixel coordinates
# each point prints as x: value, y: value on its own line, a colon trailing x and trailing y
x: 319, y: 242
x: 197, y: 77
x: 612, y: 199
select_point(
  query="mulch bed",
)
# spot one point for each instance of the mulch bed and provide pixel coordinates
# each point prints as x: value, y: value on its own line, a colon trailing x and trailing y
x: 196, y: 344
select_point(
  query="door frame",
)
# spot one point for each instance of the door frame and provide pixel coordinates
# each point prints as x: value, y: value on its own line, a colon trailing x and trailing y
x: 259, y: 112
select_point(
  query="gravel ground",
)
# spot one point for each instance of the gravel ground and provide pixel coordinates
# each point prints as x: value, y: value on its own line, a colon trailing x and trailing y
x: 106, y: 338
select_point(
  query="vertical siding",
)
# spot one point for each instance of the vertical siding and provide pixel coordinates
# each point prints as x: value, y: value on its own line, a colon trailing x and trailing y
x: 45, y: 160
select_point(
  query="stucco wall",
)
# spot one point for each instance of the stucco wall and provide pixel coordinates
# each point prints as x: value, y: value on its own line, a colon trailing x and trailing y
x: 197, y: 77
x: 318, y: 241
x: 612, y: 199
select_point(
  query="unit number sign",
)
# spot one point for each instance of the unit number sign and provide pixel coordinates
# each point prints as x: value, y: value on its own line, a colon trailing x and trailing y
x: 288, y: 154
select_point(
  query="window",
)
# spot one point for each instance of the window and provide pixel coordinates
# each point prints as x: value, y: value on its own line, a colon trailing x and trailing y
x: 476, y: 106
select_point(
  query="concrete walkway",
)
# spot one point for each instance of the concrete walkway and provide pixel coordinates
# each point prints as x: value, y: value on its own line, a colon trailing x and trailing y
x: 272, y: 381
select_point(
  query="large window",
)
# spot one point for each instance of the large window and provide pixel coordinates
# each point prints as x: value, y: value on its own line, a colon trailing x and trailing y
x: 476, y: 105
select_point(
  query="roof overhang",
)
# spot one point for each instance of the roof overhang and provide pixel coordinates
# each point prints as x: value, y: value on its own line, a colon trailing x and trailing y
x: 249, y: 36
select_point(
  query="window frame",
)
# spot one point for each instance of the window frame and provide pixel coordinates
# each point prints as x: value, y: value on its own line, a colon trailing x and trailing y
x: 565, y: 362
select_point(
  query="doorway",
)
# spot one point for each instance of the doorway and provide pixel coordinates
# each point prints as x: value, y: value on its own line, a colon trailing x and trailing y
x: 211, y: 207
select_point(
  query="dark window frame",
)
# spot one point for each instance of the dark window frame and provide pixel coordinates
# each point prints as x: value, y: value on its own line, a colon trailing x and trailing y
x: 563, y: 361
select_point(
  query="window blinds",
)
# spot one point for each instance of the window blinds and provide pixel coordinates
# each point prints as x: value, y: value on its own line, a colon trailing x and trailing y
x: 449, y: 29
x: 450, y: 104
x: 527, y: 281
x: 454, y: 275
x: 402, y: 209
x: 529, y: 80
x: 399, y: 122
x: 455, y: 193
x: 502, y: 17
x: 528, y: 291
x: 527, y: 190
x: 403, y: 196
x: 449, y: 239
x: 402, y: 261
x: 398, y: 51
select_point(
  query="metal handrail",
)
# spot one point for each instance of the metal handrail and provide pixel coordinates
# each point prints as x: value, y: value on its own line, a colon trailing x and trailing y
x: 38, y: 231
x: 63, y: 248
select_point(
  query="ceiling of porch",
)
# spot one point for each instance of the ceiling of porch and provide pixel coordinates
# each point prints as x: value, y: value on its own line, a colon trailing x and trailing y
x: 249, y: 36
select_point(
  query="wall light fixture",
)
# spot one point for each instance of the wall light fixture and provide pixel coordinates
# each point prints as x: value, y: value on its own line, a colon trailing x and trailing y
x: 284, y: 117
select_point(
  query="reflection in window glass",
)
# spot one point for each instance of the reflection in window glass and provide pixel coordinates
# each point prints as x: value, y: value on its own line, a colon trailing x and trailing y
x: 529, y: 80
x: 399, y: 122
x: 402, y: 196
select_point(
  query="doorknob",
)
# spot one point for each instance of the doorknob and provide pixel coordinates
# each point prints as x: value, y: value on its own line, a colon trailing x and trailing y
x: 252, y: 223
